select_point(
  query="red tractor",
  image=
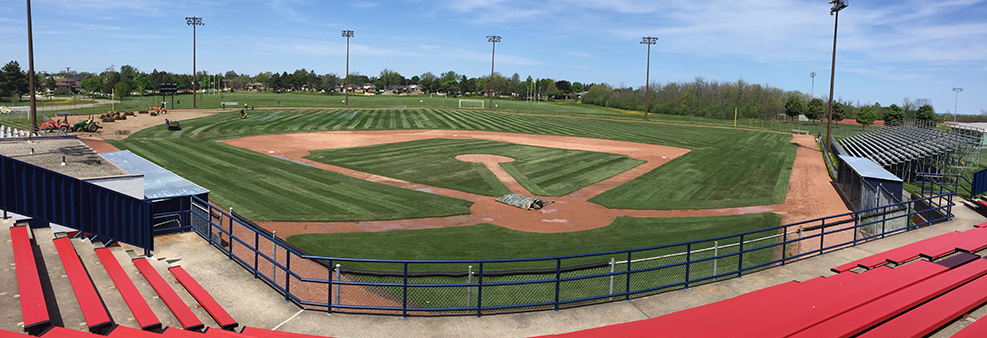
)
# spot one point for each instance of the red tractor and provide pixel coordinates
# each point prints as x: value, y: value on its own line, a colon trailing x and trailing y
x: 51, y: 125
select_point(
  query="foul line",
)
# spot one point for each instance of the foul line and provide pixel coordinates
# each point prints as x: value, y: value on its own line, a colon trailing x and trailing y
x: 288, y: 320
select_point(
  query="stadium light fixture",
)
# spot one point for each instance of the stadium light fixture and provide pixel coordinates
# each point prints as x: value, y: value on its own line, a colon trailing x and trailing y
x: 193, y: 21
x: 648, y: 40
x: 835, y: 10
x: 346, y: 77
x: 957, y: 102
x: 494, y: 39
x: 813, y: 76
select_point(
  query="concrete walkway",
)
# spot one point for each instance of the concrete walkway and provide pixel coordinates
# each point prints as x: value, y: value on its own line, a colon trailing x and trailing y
x: 253, y: 303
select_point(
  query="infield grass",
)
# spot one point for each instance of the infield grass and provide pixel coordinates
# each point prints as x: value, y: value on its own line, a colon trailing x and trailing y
x: 725, y: 167
x: 543, y: 171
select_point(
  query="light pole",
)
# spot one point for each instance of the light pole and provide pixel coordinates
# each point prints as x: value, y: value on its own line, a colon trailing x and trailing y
x: 648, y: 40
x: 494, y: 39
x: 837, y: 6
x: 193, y: 21
x: 813, y: 76
x: 346, y: 82
x: 956, y: 104
x: 30, y: 72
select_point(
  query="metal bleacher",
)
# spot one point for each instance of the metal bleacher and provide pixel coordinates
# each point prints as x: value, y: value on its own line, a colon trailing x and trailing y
x: 904, y: 148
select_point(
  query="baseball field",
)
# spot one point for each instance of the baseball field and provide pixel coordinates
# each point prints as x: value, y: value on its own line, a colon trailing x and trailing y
x: 340, y: 176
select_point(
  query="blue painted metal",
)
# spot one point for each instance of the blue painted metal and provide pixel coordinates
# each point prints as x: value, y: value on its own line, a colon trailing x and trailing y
x: 938, y: 202
x: 979, y: 183
x: 40, y: 193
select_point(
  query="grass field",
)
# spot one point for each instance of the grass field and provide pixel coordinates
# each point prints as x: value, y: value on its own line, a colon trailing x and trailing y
x: 726, y: 167
x: 263, y: 187
x: 543, y: 171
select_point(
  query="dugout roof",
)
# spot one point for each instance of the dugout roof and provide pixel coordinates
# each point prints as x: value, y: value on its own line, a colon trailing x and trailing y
x: 159, y: 183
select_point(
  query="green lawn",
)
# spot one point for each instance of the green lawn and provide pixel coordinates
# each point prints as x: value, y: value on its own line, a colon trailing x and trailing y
x: 487, y: 241
x: 262, y: 187
x: 543, y: 171
x: 726, y: 167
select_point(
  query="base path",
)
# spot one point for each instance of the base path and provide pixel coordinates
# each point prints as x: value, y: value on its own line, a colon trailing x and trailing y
x: 809, y: 196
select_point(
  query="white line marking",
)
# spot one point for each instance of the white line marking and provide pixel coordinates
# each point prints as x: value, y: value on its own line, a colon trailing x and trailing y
x: 288, y: 320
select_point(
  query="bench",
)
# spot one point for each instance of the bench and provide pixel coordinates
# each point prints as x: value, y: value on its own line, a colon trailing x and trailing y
x: 129, y: 332
x: 168, y: 295
x: 34, y: 310
x: 204, y: 298
x: 981, y: 225
x: 957, y: 260
x: 976, y: 330
x: 135, y: 301
x: 213, y: 332
x: 173, y: 332
x: 804, y: 314
x: 932, y: 248
x: 262, y: 333
x: 728, y: 323
x: 864, y: 317
x: 5, y: 333
x: 61, y: 332
x: 973, y: 241
x: 936, y: 313
x: 85, y: 292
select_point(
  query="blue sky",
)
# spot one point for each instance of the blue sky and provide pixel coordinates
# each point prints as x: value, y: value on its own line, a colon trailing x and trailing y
x: 886, y: 50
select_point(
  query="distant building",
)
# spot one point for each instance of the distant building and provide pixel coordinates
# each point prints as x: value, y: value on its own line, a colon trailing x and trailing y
x: 67, y: 85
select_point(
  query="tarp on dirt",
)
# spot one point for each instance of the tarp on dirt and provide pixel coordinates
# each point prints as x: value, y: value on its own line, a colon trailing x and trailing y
x: 526, y: 203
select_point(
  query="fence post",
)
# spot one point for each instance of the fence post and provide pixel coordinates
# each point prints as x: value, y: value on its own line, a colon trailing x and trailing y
x: 287, y: 275
x: 909, y: 221
x: 740, y: 258
x: 799, y: 252
x: 338, y: 295
x: 558, y: 282
x: 404, y: 300
x: 611, y: 276
x: 274, y: 253
x: 884, y: 215
x: 329, y: 287
x: 716, y: 252
x: 229, y: 236
x: 479, y: 292
x: 256, y: 251
x: 469, y: 289
x: 627, y: 293
x: 856, y: 228
x: 688, y: 263
x: 822, y: 236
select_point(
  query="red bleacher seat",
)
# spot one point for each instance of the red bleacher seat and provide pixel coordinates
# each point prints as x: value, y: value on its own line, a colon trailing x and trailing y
x: 934, y: 314
x: 957, y: 260
x: 61, y: 332
x: 931, y: 248
x: 204, y: 298
x: 34, y: 310
x: 864, y: 317
x: 973, y: 240
x: 175, y: 303
x: 981, y: 225
x: 179, y: 333
x: 129, y: 332
x: 262, y: 333
x: 85, y: 292
x: 802, y: 314
x: 213, y: 332
x: 135, y: 301
x: 976, y: 330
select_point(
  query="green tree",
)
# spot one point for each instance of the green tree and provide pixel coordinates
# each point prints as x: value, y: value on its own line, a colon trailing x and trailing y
x: 839, y: 111
x: 893, y: 115
x: 92, y: 85
x: 577, y: 87
x: 13, y: 81
x: 50, y: 83
x: 564, y: 86
x: 816, y: 109
x: 141, y: 83
x: 121, y: 90
x: 926, y: 113
x: 866, y: 116
x: 794, y: 107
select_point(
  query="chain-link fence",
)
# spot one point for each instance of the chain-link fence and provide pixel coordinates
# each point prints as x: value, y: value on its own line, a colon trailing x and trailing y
x: 475, y: 287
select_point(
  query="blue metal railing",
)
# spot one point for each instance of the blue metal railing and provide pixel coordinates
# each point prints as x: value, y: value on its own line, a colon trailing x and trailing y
x: 316, y: 282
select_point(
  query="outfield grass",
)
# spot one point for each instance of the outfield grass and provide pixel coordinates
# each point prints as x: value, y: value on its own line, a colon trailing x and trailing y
x: 725, y: 167
x: 543, y: 171
x: 487, y: 241
x: 263, y: 187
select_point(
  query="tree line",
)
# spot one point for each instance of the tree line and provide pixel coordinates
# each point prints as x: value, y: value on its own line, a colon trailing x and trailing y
x: 714, y: 99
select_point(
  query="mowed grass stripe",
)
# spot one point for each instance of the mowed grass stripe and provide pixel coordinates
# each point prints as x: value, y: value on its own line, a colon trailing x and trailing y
x: 433, y: 162
x: 267, y: 188
x: 725, y: 168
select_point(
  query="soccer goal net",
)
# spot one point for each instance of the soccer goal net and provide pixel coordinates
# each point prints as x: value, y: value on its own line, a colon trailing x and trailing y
x: 470, y: 104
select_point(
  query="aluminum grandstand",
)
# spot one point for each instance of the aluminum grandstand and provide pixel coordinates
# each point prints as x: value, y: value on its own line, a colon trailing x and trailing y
x: 908, y: 149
